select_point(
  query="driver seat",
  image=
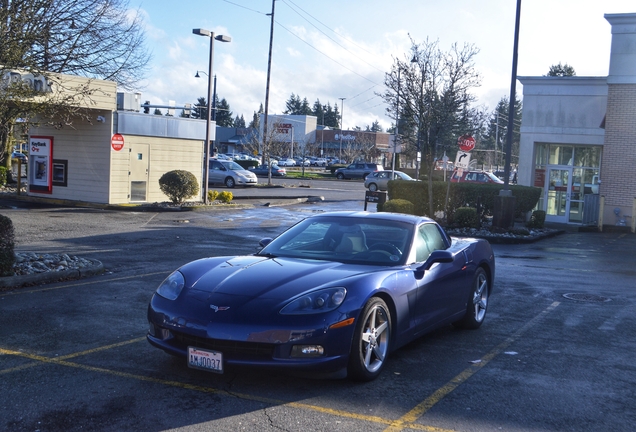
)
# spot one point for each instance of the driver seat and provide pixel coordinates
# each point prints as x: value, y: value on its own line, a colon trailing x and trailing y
x: 352, y: 242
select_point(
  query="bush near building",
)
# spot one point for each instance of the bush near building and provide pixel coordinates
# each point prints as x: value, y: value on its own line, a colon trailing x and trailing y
x: 7, y: 245
x: 179, y: 185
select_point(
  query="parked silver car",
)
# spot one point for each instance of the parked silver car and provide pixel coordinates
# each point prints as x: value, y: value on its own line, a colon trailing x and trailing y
x: 356, y: 170
x: 379, y: 180
x: 230, y: 174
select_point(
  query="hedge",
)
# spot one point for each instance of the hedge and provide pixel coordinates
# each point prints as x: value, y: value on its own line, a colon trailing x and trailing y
x: 461, y: 195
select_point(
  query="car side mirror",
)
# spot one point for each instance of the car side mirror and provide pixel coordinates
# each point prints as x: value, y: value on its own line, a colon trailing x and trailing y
x: 438, y: 256
x: 264, y: 242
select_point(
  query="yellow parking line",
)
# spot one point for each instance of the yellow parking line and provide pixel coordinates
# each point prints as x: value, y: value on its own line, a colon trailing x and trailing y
x: 407, y: 419
x: 57, y: 359
x: 31, y: 291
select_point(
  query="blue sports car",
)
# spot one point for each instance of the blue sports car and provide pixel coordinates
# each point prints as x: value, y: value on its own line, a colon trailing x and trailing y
x: 332, y: 296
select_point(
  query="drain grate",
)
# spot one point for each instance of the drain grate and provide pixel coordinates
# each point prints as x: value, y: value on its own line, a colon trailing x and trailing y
x: 586, y: 297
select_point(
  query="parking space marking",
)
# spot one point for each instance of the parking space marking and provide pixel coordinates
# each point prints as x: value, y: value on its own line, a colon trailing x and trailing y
x: 412, y: 416
x: 66, y: 357
x: 274, y: 402
x: 407, y: 421
x: 37, y: 290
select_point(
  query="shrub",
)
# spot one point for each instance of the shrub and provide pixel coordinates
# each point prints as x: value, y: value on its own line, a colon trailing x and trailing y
x: 398, y: 206
x: 466, y: 217
x: 3, y: 175
x: 212, y: 195
x: 226, y: 197
x: 179, y: 185
x: 247, y: 164
x: 7, y: 245
x: 537, y: 219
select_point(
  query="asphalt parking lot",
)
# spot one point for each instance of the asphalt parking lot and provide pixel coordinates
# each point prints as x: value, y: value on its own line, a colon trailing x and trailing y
x: 555, y: 353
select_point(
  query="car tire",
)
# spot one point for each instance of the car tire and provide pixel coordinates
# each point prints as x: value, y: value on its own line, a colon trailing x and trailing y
x: 340, y: 176
x: 229, y: 182
x: 373, y: 187
x: 371, y: 341
x: 477, y: 302
x: 365, y: 175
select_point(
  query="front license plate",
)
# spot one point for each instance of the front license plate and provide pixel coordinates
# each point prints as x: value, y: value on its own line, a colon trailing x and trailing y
x: 207, y: 360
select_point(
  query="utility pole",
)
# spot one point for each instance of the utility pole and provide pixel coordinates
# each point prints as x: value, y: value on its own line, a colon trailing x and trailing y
x: 341, y: 125
x: 269, y: 70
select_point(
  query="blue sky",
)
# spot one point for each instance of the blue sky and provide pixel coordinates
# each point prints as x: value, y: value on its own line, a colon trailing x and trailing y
x: 333, y: 49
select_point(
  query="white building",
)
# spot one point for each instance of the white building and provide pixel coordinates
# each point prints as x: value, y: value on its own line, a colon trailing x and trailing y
x: 578, y: 136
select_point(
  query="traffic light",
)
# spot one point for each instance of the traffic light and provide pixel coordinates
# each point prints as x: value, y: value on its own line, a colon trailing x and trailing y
x: 146, y: 107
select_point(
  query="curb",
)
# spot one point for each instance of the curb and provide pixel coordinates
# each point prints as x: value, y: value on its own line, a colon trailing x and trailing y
x: 268, y: 201
x: 8, y: 282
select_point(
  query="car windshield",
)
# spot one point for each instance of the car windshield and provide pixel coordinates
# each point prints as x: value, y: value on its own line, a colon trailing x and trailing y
x: 232, y: 165
x: 345, y: 239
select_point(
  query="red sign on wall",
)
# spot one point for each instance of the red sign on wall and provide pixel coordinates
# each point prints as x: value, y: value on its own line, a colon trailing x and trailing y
x: 117, y: 142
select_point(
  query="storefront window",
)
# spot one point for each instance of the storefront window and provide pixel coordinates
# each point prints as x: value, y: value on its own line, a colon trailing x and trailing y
x: 560, y: 155
x: 587, y: 156
x: 541, y: 155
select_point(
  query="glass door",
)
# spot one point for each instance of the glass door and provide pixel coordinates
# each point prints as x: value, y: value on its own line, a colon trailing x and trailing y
x: 557, y: 194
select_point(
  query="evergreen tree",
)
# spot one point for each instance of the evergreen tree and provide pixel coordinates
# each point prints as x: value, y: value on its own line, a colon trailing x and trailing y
x: 561, y: 70
x: 293, y: 105
x: 239, y: 122
x: 305, y: 109
x: 224, y: 114
x: 256, y: 118
x: 319, y: 111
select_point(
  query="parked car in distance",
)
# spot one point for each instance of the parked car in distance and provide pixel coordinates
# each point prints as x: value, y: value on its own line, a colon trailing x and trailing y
x: 262, y: 171
x: 379, y: 180
x: 475, y: 177
x: 286, y: 162
x: 19, y: 155
x: 356, y: 170
x: 332, y: 296
x: 230, y: 174
x: 301, y: 161
x: 318, y: 162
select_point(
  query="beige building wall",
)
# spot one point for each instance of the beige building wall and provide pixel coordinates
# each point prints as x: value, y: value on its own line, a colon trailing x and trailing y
x: 164, y: 154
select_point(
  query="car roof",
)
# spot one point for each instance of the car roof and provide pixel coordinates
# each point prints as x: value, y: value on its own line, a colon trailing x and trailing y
x: 398, y: 217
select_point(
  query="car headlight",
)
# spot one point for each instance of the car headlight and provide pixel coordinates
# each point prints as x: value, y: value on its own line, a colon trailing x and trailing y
x: 171, y: 287
x: 318, y: 301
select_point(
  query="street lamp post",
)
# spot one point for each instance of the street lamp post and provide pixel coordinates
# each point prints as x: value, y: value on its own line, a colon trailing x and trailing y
x: 208, y: 121
x: 418, y: 155
x: 341, y: 125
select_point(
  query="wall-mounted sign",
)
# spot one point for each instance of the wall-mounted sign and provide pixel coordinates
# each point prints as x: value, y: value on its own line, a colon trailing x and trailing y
x: 39, y: 83
x: 40, y: 164
x: 117, y: 142
x: 283, y: 127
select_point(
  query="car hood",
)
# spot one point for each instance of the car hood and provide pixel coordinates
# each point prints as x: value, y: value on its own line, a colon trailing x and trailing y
x: 266, y: 278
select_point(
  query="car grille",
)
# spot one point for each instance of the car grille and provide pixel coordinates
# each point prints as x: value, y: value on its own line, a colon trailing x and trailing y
x: 228, y: 348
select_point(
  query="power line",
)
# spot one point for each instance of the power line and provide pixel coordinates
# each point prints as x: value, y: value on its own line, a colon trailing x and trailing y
x: 333, y: 60
x: 329, y: 37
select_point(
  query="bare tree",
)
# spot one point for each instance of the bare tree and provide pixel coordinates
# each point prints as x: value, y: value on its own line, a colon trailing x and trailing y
x: 434, y: 98
x: 98, y: 39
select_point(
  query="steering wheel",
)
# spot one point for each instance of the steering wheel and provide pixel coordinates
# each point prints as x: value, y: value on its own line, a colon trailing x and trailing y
x: 387, y: 247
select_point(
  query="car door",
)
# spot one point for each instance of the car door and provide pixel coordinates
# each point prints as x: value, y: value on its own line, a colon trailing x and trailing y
x: 441, y: 290
x: 216, y: 173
